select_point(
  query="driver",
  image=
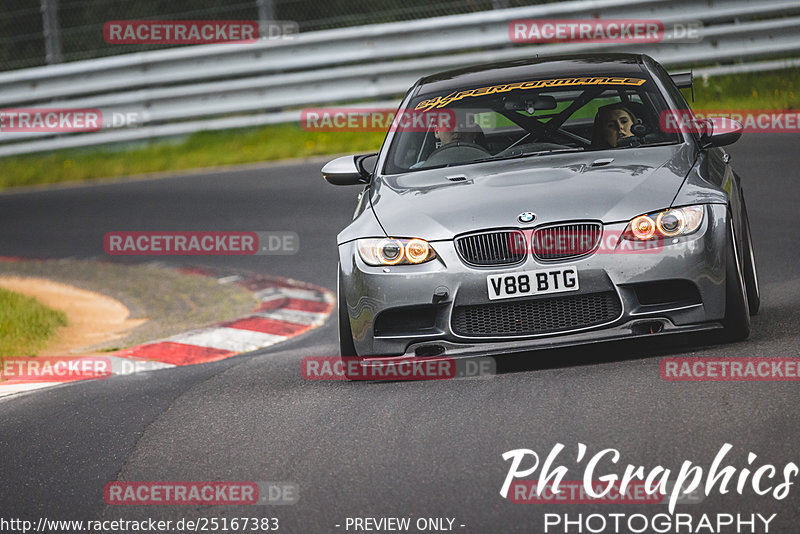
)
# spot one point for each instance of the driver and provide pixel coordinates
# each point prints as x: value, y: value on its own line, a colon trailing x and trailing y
x: 612, y: 123
x: 466, y: 130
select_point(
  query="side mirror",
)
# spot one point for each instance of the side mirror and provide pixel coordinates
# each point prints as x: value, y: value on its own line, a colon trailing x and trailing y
x: 350, y: 170
x: 720, y: 131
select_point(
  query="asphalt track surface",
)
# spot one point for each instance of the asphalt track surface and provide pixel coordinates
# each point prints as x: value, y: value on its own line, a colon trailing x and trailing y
x: 406, y: 449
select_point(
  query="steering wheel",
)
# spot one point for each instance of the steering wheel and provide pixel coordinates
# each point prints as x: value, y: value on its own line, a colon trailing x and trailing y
x: 457, y: 151
x: 640, y: 134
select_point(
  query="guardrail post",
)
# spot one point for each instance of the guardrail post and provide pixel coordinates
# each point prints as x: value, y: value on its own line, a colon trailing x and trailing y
x: 52, y: 32
x: 266, y: 13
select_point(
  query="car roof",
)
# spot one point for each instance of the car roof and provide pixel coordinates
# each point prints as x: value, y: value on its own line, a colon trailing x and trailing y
x: 522, y: 69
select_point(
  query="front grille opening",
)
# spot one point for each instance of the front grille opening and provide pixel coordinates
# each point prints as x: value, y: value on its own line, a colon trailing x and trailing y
x: 536, y: 316
x: 427, y: 351
x: 566, y: 240
x: 668, y: 292
x: 406, y: 321
x: 500, y: 247
x: 647, y: 327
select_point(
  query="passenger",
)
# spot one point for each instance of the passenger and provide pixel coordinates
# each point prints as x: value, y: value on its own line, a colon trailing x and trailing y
x: 612, y: 123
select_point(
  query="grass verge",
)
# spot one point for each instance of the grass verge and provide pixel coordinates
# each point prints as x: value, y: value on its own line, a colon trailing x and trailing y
x: 173, y: 301
x: 770, y: 90
x: 199, y: 150
x: 26, y: 325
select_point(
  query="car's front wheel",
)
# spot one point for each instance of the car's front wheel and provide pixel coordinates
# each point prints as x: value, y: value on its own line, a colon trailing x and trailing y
x: 737, y: 313
x: 346, y: 346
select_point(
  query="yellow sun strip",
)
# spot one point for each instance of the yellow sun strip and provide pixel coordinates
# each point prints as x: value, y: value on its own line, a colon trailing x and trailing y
x: 442, y: 101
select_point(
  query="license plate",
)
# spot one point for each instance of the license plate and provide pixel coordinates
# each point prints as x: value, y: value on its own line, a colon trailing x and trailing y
x: 523, y: 284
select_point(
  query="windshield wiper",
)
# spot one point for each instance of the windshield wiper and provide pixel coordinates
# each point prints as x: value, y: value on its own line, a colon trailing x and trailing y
x: 639, y: 145
x: 495, y: 158
x: 528, y: 154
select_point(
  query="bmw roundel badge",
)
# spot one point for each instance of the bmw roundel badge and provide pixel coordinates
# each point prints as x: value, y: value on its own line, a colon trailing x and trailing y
x: 526, y: 217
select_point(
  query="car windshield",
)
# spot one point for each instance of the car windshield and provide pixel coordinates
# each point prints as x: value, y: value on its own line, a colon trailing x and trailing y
x: 527, y: 118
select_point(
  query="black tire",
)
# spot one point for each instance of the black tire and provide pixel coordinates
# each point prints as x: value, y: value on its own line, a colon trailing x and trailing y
x: 750, y: 275
x: 347, y: 348
x: 737, y: 314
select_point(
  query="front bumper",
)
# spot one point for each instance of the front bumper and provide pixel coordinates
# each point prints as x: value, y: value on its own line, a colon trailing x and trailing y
x: 395, y: 311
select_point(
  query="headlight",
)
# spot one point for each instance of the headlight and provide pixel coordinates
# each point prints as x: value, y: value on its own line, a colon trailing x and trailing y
x: 668, y: 223
x: 391, y: 251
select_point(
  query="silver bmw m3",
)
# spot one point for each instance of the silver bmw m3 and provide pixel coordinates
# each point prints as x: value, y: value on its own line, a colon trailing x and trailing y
x: 543, y: 203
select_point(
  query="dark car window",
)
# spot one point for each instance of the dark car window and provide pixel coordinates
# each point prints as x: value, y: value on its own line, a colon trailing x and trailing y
x: 677, y: 97
x: 527, y: 118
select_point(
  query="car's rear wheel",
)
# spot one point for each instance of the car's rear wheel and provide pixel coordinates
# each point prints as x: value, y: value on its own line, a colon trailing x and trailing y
x: 737, y: 313
x: 750, y: 275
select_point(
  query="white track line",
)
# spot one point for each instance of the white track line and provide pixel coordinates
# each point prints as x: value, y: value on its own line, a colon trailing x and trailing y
x: 294, y: 316
x: 224, y: 338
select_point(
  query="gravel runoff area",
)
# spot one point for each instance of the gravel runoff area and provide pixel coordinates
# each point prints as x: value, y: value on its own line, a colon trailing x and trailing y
x: 171, y: 301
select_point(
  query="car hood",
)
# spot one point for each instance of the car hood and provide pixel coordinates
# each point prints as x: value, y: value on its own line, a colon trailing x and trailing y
x: 437, y: 204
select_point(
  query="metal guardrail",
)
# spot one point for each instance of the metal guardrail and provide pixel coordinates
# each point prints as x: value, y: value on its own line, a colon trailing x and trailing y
x: 221, y: 86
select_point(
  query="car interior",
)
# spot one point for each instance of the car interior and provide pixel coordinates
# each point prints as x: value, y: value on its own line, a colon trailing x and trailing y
x: 531, y: 122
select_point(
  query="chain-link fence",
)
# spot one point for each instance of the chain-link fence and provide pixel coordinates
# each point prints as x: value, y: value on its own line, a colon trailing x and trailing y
x: 41, y: 32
